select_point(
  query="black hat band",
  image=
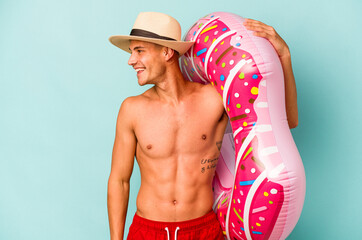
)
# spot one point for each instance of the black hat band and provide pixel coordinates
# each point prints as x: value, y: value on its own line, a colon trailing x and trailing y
x: 145, y: 33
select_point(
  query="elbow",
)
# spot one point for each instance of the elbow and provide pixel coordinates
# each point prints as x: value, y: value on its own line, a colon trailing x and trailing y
x: 116, y: 183
x: 116, y: 189
x: 293, y: 123
x: 292, y: 118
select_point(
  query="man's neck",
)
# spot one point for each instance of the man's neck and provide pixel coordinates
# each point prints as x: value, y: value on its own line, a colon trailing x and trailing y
x: 172, y: 86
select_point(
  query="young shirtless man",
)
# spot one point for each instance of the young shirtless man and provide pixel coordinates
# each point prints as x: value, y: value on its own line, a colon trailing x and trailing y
x: 170, y: 128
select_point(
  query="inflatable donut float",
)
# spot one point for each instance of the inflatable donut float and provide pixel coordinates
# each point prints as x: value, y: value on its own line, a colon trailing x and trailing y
x: 259, y: 184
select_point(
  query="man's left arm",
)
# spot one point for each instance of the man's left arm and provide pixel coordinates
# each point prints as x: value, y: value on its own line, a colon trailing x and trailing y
x: 262, y: 30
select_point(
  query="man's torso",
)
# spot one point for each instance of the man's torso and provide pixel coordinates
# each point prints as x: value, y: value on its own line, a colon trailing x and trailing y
x: 177, y: 152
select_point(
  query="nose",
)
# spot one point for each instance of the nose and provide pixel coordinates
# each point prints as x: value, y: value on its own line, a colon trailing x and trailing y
x: 132, y: 60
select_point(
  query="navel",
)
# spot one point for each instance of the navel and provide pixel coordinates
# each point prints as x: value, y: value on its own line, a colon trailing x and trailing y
x: 203, y: 136
x: 149, y: 146
x: 174, y: 202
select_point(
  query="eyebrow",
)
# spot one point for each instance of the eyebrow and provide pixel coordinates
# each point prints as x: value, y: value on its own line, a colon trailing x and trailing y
x: 135, y: 48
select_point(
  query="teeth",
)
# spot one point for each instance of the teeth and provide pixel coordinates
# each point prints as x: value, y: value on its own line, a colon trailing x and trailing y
x: 139, y: 69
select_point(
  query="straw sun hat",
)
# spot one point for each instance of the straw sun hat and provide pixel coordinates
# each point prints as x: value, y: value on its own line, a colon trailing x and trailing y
x: 156, y: 28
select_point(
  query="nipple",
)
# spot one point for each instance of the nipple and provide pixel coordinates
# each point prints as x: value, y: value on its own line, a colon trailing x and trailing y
x: 203, y: 136
x: 149, y: 146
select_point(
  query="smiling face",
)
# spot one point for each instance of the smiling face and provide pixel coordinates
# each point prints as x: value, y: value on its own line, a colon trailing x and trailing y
x: 148, y: 61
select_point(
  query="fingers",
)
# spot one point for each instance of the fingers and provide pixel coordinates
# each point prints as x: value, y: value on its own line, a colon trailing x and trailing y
x: 258, y: 26
x: 265, y: 31
x: 249, y: 21
x: 262, y: 34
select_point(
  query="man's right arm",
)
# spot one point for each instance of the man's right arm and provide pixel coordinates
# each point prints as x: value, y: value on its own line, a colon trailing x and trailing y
x: 121, y: 170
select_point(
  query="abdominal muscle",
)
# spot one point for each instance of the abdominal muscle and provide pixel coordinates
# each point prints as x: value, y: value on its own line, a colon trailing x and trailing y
x: 173, y: 191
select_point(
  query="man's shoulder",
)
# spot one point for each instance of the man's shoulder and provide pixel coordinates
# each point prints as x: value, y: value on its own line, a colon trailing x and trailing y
x: 129, y: 109
x: 130, y: 105
x: 134, y: 104
x: 208, y: 91
x: 208, y: 96
x: 200, y: 87
x: 133, y: 101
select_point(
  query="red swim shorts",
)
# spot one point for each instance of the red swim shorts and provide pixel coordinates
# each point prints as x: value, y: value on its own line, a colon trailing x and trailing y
x: 206, y: 227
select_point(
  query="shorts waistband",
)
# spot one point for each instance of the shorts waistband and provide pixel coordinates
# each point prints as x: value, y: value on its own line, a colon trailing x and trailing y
x: 188, y: 225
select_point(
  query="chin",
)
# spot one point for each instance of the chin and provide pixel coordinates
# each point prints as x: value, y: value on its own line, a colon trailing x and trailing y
x: 142, y: 83
x: 145, y: 82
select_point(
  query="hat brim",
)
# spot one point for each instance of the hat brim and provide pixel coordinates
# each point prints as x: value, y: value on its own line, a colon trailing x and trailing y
x: 123, y: 43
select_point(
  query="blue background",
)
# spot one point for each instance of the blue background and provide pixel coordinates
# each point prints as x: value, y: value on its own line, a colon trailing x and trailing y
x: 62, y: 83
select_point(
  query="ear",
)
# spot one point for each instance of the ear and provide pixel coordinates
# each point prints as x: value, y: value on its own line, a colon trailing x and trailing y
x: 168, y: 53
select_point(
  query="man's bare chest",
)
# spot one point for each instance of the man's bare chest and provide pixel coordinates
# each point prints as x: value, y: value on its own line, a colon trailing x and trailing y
x: 165, y: 131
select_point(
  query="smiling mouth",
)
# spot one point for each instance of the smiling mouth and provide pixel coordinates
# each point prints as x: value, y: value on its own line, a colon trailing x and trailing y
x: 139, y: 70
